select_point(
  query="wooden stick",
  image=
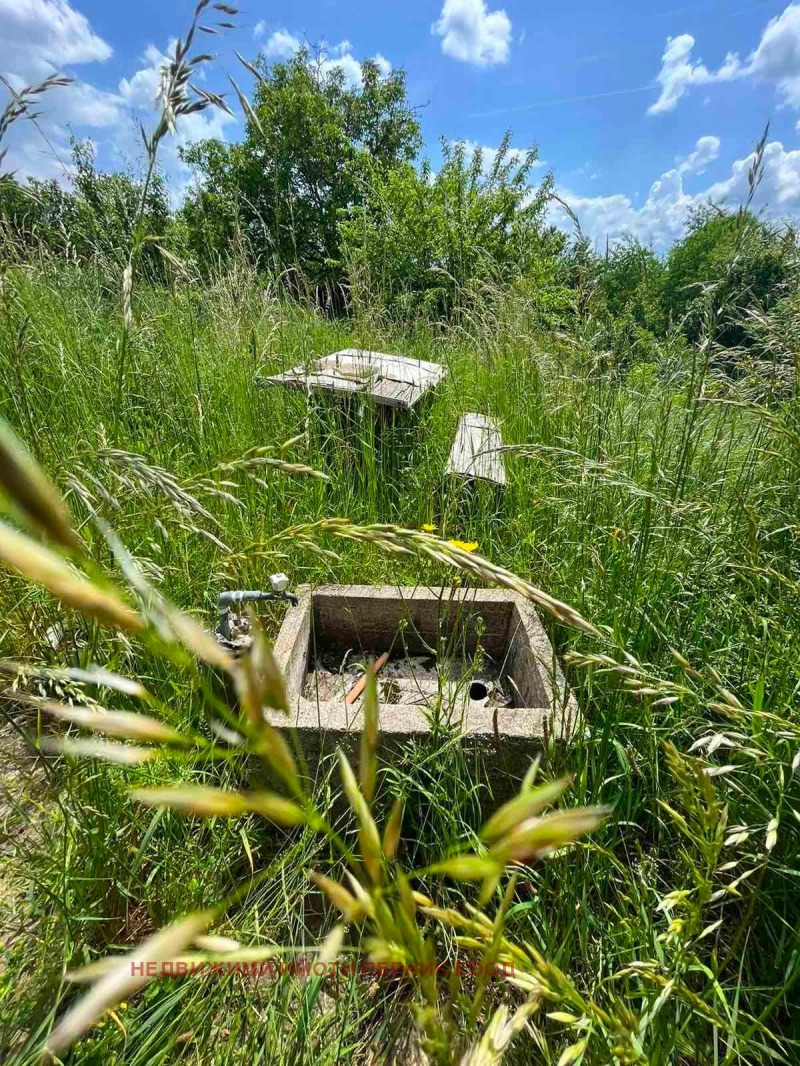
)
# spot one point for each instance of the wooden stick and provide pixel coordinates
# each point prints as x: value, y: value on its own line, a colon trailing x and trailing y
x: 361, y: 684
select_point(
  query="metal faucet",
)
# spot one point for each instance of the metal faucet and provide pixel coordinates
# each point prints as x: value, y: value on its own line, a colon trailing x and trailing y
x: 280, y: 585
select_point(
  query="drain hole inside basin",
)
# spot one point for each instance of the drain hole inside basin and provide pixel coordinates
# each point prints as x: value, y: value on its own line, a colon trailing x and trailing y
x: 406, y: 679
x: 434, y: 648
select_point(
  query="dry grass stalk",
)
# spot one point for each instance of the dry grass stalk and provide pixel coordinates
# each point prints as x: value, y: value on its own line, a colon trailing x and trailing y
x: 32, y: 493
x: 128, y: 975
x: 21, y: 104
x: 399, y: 541
x: 43, y: 567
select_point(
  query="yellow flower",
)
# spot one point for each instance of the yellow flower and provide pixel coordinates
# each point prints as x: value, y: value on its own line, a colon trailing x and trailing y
x: 428, y: 527
x: 465, y: 545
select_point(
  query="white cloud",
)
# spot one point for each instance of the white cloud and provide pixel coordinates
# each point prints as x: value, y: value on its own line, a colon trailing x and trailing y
x: 282, y: 45
x: 259, y: 28
x: 472, y: 33
x: 777, y: 58
x: 697, y: 161
x: 779, y: 191
x: 678, y: 72
x: 40, y: 36
x: 660, y: 220
x: 775, y: 61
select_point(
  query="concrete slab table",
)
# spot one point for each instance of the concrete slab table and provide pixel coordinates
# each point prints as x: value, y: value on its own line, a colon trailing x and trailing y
x: 393, y: 381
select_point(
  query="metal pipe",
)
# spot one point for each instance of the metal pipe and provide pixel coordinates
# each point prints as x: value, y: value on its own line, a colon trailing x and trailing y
x: 233, y: 596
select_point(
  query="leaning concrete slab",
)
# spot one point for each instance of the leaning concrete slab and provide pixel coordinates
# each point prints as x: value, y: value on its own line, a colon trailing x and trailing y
x: 476, y: 451
x: 394, y: 381
x: 491, y: 640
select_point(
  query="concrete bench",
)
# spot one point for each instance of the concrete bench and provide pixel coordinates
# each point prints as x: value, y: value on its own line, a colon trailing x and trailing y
x: 475, y: 450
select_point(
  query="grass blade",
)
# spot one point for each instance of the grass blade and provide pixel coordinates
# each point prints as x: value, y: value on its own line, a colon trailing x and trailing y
x: 125, y: 979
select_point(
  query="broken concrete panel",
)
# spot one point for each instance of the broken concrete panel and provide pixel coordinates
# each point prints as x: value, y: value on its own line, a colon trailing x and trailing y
x: 393, y: 381
x: 477, y: 450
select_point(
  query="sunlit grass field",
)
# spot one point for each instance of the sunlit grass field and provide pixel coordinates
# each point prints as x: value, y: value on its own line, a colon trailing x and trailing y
x: 656, y: 499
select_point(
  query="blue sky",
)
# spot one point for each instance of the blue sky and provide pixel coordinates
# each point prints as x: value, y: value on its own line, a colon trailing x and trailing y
x: 641, y: 110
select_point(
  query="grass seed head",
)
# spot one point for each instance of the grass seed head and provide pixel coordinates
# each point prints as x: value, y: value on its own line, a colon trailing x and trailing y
x: 31, y: 492
x: 43, y: 567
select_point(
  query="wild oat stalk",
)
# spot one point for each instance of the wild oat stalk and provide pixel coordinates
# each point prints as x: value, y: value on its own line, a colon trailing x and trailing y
x: 178, y: 96
x: 36, y: 500
x: 259, y: 459
x: 703, y: 688
x: 399, y: 541
x: 137, y: 475
x: 22, y: 104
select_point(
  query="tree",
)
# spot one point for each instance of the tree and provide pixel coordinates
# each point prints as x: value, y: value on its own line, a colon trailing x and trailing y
x: 419, y: 238
x: 310, y: 138
x: 747, y: 264
x: 632, y: 282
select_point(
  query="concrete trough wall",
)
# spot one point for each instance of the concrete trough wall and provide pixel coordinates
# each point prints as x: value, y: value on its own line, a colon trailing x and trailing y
x: 367, y: 618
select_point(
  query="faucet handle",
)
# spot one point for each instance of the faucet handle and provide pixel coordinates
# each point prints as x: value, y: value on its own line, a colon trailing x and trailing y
x: 279, y: 582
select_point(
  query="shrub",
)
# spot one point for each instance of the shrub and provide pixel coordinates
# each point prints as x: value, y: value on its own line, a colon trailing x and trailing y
x: 631, y: 278
x: 748, y: 263
x: 419, y: 238
x: 95, y: 219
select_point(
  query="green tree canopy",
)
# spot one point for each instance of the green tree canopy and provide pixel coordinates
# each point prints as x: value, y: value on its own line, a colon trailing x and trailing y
x: 309, y: 139
x: 418, y: 237
x: 748, y: 263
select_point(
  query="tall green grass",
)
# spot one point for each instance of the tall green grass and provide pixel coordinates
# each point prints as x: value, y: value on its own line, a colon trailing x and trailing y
x: 656, y: 499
